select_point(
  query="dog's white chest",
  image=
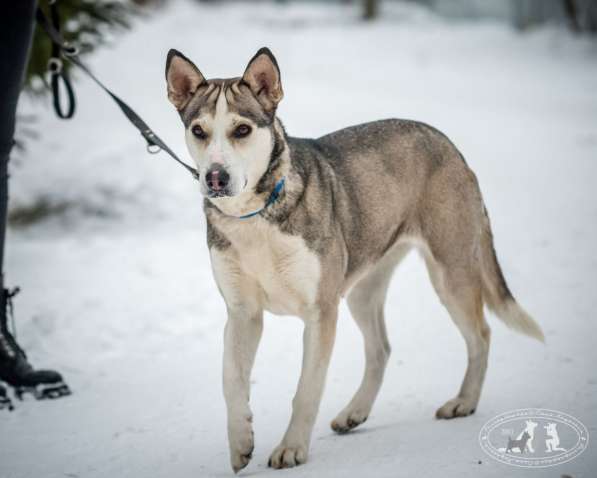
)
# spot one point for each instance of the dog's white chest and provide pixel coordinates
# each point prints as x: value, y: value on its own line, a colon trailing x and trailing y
x: 280, y: 266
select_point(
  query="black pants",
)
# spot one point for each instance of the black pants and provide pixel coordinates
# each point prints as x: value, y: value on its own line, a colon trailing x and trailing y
x: 16, y: 26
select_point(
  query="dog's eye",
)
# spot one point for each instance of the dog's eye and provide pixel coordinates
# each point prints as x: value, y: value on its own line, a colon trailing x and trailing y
x: 198, y: 132
x: 242, y: 130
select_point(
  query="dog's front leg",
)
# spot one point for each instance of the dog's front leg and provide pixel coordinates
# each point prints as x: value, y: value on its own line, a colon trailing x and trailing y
x: 241, y: 338
x: 318, y: 342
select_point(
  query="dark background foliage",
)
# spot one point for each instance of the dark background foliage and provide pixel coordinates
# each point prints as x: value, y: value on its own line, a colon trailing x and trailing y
x: 86, y: 23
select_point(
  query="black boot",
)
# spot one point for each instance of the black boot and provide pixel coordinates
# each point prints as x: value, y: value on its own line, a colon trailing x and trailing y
x: 16, y: 371
x: 4, y: 400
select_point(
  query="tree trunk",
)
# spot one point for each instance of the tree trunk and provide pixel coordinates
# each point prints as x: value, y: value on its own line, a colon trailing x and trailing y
x: 572, y: 13
x: 370, y: 9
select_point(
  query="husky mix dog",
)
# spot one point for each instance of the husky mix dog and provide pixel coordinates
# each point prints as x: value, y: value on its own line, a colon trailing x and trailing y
x: 294, y: 225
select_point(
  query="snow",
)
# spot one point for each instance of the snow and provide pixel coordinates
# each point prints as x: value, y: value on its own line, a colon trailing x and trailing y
x: 118, y: 293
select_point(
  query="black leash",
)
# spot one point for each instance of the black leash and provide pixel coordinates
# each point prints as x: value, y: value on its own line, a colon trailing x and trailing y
x: 60, y: 47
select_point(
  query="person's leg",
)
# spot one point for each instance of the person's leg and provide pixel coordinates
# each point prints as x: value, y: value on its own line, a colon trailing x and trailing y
x: 16, y: 28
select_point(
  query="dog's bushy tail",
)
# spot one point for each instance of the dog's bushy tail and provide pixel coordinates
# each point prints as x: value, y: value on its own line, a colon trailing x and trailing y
x: 496, y: 293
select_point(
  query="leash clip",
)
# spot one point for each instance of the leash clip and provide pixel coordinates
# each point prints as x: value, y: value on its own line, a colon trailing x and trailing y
x: 152, y: 148
x: 68, y: 49
x: 55, y: 66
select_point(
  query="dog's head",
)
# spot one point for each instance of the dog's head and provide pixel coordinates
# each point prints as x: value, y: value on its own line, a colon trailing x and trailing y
x: 229, y: 123
x: 531, y: 425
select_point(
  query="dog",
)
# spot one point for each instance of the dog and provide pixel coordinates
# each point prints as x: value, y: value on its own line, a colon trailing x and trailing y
x: 521, y: 443
x: 553, y: 442
x: 295, y: 225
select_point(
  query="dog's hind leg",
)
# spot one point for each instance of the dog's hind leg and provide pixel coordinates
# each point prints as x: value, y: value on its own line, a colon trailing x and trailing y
x: 366, y: 303
x: 459, y: 289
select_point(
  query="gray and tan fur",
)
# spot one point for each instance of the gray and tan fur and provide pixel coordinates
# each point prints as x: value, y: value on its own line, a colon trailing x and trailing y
x: 354, y: 203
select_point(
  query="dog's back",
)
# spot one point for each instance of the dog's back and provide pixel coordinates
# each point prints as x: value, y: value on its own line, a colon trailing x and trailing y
x: 401, y: 180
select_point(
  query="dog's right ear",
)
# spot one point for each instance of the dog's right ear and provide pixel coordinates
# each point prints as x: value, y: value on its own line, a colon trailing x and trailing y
x: 183, y: 79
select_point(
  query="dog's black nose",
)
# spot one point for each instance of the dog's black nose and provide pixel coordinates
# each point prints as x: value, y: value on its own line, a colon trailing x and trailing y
x: 217, y: 178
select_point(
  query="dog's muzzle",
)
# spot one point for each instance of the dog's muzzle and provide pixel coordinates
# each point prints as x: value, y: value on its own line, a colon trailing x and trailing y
x: 217, y: 180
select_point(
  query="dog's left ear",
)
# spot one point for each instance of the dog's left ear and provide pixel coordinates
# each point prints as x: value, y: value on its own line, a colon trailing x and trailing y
x: 183, y: 79
x: 263, y: 77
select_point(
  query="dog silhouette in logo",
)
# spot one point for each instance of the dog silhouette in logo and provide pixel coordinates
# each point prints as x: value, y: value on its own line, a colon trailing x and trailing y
x: 520, y: 444
x: 553, y: 441
x: 530, y: 429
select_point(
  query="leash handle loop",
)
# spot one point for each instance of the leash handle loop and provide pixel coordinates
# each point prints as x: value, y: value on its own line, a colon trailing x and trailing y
x: 56, y: 78
x: 58, y: 73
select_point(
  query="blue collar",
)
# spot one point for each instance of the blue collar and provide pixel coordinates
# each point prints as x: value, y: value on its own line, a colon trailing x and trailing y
x: 273, y: 197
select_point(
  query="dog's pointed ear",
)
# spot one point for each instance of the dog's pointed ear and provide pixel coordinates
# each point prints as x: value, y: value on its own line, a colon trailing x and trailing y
x: 263, y: 77
x: 183, y: 79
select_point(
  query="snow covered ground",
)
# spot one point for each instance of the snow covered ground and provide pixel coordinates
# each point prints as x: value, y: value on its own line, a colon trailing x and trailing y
x: 119, y: 296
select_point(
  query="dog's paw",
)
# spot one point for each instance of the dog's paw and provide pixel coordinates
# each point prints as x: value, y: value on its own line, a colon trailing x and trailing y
x: 457, y: 407
x: 287, y: 456
x: 241, y: 442
x: 347, y: 420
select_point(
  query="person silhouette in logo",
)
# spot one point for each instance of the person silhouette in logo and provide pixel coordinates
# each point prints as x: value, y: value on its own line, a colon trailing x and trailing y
x: 552, y: 443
